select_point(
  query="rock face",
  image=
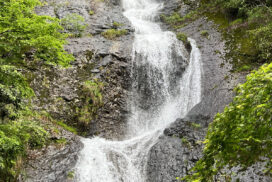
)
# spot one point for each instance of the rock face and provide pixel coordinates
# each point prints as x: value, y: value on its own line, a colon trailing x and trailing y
x: 178, y: 149
x: 59, y: 90
x: 54, y: 163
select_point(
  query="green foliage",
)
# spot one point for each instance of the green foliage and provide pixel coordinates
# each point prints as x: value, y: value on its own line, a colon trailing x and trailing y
x: 71, y: 175
x: 66, y: 127
x: 61, y: 142
x: 172, y: 19
x: 204, y: 33
x: 92, y: 101
x: 74, y: 23
x: 240, y: 8
x: 117, y: 24
x: 186, y: 142
x: 196, y: 126
x: 176, y: 21
x: 91, y: 12
x: 246, y: 26
x: 242, y: 134
x: 24, y: 36
x: 182, y: 37
x: 114, y: 33
x: 15, y: 139
x: 23, y: 33
x: 14, y: 89
x: 261, y: 39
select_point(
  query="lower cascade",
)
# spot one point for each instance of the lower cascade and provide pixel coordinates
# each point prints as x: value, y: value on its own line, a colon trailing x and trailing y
x: 166, y: 84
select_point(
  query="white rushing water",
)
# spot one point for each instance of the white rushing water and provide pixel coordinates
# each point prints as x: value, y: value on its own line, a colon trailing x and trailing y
x: 160, y: 95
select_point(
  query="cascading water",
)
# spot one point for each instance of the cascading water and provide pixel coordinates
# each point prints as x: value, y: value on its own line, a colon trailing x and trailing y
x: 162, y: 91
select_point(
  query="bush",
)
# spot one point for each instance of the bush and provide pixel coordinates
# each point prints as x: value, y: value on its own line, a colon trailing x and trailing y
x: 262, y: 38
x: 74, y: 23
x: 242, y: 134
x: 14, y: 89
x: 204, y: 33
x: 114, y: 33
x: 23, y: 33
x: 92, y: 101
x: 15, y: 139
x: 246, y: 27
x: 182, y: 37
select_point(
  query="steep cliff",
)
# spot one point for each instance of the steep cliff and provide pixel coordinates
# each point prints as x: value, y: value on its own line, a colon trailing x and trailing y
x: 100, y: 60
x: 180, y: 147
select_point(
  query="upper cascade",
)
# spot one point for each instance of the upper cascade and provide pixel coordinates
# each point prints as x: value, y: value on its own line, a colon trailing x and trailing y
x: 166, y: 83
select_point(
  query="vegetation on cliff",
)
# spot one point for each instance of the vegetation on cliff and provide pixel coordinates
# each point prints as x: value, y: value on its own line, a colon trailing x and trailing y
x: 24, y: 37
x: 23, y: 34
x: 242, y: 134
x: 245, y: 25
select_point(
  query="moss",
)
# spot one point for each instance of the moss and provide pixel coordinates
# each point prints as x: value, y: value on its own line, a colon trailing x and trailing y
x: 182, y: 37
x: 243, y: 47
x: 236, y: 22
x: 71, y: 175
x: 245, y: 68
x: 196, y: 126
x: 116, y: 25
x: 66, y: 127
x: 114, y: 33
x: 91, y: 12
x: 61, y: 142
x: 204, y: 33
x: 186, y: 142
x: 92, y: 101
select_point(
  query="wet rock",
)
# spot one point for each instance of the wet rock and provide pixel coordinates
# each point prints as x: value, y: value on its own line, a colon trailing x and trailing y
x: 59, y: 90
x: 178, y: 148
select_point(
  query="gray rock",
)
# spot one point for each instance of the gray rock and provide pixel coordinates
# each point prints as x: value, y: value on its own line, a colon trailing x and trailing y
x: 170, y: 158
x: 53, y: 163
x: 59, y: 92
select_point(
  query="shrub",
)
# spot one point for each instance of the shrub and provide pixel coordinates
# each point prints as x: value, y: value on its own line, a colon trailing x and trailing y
x: 116, y: 24
x: 182, y: 37
x: 242, y: 134
x: 113, y: 33
x: 92, y: 101
x: 23, y: 33
x: 204, y: 33
x: 14, y: 89
x: 74, y: 23
x: 261, y: 39
x: 15, y: 139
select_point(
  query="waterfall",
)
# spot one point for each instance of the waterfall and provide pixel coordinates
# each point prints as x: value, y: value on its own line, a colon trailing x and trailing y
x: 166, y: 85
